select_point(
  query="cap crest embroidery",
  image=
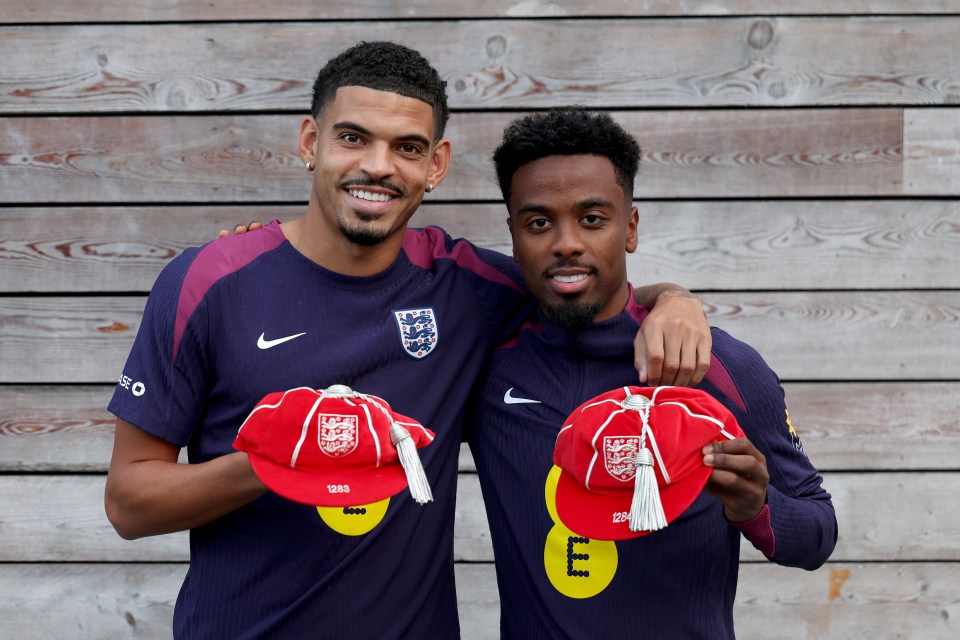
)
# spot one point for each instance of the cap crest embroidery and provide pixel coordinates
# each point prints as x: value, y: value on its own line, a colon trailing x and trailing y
x: 338, y: 434
x: 620, y: 456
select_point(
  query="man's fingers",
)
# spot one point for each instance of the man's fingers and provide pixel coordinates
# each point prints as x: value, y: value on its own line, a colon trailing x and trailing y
x: 704, y: 347
x: 640, y: 357
x: 740, y: 459
x: 670, y: 373
x: 240, y: 229
x: 648, y: 353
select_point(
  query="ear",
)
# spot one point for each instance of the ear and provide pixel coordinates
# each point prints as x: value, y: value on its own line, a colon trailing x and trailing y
x: 632, y: 223
x: 513, y: 240
x: 439, y: 162
x: 307, y: 142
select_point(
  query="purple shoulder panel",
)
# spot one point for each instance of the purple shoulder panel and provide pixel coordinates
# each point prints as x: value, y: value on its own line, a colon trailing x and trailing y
x: 424, y: 246
x: 718, y: 375
x: 216, y: 260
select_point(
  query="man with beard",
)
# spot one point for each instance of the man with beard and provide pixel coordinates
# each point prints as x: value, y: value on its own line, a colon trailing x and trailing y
x: 567, y: 178
x: 345, y: 295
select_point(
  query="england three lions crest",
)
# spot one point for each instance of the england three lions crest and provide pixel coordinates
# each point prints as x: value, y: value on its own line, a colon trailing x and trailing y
x: 339, y: 435
x: 620, y: 456
x: 418, y: 331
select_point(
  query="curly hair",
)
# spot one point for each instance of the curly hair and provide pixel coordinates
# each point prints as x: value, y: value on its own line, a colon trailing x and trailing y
x: 566, y: 131
x: 383, y: 66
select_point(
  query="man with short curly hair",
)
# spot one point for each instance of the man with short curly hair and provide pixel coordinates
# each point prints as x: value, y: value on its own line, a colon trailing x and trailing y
x: 567, y: 177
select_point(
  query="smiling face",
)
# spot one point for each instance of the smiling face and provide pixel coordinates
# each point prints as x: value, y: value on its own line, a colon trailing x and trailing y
x: 572, y: 224
x: 375, y: 157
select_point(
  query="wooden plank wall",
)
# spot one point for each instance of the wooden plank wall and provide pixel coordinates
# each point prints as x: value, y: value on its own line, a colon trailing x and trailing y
x: 801, y: 171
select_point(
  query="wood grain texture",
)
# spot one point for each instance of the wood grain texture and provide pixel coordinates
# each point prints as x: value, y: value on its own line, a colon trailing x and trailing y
x: 44, y: 11
x: 844, y: 427
x: 931, y: 163
x: 889, y: 516
x: 124, y: 159
x: 144, y: 159
x: 847, y: 335
x: 849, y: 601
x: 102, y: 249
x: 839, y: 602
x: 764, y: 61
x: 89, y: 601
x: 55, y: 428
x: 816, y: 336
x: 705, y: 245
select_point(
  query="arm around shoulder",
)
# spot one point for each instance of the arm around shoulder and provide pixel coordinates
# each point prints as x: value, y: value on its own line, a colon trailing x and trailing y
x: 674, y: 341
x: 149, y: 493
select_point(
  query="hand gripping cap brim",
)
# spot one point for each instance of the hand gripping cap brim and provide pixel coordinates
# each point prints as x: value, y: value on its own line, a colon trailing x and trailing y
x: 327, y: 448
x: 330, y: 489
x: 682, y: 422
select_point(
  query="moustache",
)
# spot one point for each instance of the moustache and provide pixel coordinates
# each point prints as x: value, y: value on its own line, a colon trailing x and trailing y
x: 370, y: 182
x: 569, y: 264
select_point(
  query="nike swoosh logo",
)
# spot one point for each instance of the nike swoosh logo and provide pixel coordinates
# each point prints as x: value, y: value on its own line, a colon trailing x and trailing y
x: 510, y: 399
x: 263, y: 343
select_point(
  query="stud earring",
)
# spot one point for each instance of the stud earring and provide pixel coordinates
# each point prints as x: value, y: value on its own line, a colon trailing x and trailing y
x: 429, y: 187
x: 308, y: 166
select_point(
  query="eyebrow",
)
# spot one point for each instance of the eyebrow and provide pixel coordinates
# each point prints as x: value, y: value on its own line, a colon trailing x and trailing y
x: 346, y: 125
x: 583, y: 205
x: 594, y: 203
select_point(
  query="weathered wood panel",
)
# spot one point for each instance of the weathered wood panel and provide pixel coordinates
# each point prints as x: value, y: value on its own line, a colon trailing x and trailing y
x: 893, y: 516
x: 883, y: 426
x: 89, y: 601
x: 144, y: 159
x: 931, y: 163
x: 846, y: 426
x: 58, y: 428
x: 67, y: 339
x: 101, y: 249
x: 712, y: 245
x: 847, y: 335
x: 491, y: 64
x: 849, y: 602
x: 832, y: 335
x: 830, y: 152
x: 839, y: 602
x: 44, y: 11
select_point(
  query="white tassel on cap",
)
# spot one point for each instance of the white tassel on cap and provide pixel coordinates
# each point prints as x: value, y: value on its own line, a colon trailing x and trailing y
x: 410, y: 461
x: 646, y: 510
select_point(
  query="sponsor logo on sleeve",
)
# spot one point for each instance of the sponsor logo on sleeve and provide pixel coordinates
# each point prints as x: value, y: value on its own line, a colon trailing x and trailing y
x: 794, y: 436
x: 135, y: 387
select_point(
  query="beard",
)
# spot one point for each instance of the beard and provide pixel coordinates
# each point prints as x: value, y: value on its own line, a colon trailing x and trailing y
x: 362, y: 235
x: 362, y: 232
x: 573, y: 316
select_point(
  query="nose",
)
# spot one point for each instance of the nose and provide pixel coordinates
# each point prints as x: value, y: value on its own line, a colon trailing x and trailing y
x: 567, y: 239
x: 377, y: 161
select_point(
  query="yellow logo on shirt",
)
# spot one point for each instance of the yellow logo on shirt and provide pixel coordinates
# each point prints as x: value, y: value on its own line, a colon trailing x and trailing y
x: 354, y: 521
x: 578, y: 567
x: 793, y: 433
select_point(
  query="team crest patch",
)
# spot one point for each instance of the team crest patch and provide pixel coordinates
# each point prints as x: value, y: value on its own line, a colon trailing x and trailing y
x: 418, y: 331
x: 339, y: 435
x: 620, y: 456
